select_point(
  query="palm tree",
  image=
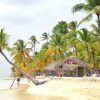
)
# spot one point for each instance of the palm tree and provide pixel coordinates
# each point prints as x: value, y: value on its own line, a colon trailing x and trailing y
x: 73, y: 25
x: 21, y: 56
x: 33, y: 42
x: 91, y: 6
x: 21, y: 52
x: 3, y: 40
x: 57, y: 42
x: 19, y: 45
x: 44, y: 47
x: 61, y: 28
x: 86, y: 39
x: 72, y: 36
x: 95, y: 31
x: 45, y: 36
x: 4, y: 45
x: 95, y: 45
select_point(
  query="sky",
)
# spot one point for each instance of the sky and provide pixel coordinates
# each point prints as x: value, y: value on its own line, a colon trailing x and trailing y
x: 24, y: 18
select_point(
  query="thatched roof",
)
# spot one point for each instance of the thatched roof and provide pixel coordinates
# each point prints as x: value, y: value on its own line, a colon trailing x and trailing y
x: 68, y: 67
x: 68, y: 64
x: 73, y: 60
x: 52, y: 66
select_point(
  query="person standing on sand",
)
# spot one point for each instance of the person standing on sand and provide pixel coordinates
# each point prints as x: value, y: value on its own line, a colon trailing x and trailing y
x: 18, y: 81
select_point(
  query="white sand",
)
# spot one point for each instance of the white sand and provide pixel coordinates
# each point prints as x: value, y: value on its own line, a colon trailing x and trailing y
x: 70, y: 88
x: 55, y: 89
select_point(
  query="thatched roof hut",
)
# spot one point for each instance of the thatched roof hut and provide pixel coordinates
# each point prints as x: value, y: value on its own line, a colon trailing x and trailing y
x: 53, y: 66
x: 74, y: 61
x: 69, y: 67
x: 76, y: 64
x: 69, y: 64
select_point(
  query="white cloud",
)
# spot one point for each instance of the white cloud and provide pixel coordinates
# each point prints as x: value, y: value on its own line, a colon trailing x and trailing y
x: 20, y: 2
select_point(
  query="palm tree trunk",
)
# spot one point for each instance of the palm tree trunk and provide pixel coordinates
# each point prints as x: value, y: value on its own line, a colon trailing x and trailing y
x: 34, y: 52
x: 36, y: 82
x: 93, y: 57
x: 12, y: 83
x: 75, y: 50
x: 87, y: 48
x: 47, y: 40
x: 98, y: 21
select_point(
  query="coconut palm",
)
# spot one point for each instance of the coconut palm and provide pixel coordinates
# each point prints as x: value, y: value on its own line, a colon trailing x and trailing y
x: 61, y: 28
x: 92, y: 7
x: 33, y: 42
x: 3, y: 40
x: 21, y: 56
x: 72, y: 36
x: 73, y: 25
x: 57, y: 42
x: 45, y: 36
x: 95, y: 31
x: 20, y: 52
x: 86, y: 38
x: 4, y: 45
x: 19, y: 45
x: 44, y: 47
x: 95, y: 45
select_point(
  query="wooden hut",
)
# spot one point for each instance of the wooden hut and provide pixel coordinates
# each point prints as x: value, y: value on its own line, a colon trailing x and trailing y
x: 71, y: 64
x: 75, y: 64
x: 53, y: 68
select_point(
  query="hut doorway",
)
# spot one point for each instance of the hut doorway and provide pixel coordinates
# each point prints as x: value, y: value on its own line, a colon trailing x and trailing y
x: 80, y: 71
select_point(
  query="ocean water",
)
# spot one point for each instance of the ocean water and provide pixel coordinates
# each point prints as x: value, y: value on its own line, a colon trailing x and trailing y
x: 5, y: 83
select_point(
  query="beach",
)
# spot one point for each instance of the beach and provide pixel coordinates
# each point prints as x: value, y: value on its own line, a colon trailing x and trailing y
x: 56, y: 89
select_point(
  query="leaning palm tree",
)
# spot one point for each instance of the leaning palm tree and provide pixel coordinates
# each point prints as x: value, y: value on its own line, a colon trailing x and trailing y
x: 21, y: 56
x: 4, y: 45
x: 92, y: 7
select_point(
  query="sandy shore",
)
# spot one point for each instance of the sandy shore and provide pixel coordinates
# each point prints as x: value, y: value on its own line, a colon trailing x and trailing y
x: 68, y: 89
x: 56, y: 89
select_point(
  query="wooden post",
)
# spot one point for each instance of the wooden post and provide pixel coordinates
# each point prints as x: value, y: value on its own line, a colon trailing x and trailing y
x: 77, y: 72
x: 84, y: 70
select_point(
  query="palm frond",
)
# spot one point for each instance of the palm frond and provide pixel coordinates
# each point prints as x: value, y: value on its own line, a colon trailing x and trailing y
x: 78, y: 7
x: 87, y: 18
x: 95, y: 29
x: 3, y: 39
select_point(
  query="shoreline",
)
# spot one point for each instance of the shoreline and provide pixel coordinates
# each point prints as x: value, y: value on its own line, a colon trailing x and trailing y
x: 56, y: 89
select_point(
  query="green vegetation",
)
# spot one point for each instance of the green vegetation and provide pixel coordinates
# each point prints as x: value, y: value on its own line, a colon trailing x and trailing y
x: 65, y: 40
